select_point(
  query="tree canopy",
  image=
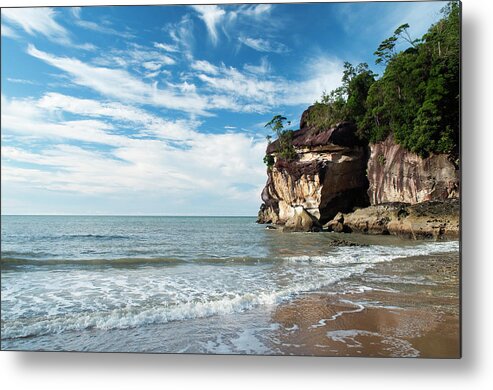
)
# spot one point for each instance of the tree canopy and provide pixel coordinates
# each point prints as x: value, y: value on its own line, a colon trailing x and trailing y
x: 417, y: 97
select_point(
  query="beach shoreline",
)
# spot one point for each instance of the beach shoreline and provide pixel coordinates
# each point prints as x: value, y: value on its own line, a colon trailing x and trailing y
x: 405, y: 308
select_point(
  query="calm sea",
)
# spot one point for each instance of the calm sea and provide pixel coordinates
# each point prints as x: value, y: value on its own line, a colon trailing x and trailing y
x: 167, y: 284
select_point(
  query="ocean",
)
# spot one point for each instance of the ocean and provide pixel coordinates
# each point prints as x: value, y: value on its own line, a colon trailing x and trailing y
x: 172, y: 284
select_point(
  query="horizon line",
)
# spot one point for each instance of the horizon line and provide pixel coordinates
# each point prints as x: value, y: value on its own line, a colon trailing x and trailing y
x: 124, y: 215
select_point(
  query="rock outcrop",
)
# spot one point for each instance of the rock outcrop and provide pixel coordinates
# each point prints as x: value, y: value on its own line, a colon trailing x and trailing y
x: 426, y: 220
x: 327, y: 176
x: 334, y: 173
x: 397, y: 175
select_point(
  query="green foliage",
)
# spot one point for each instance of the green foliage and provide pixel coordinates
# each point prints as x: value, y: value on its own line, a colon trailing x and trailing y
x: 347, y: 102
x: 381, y: 159
x: 417, y: 99
x: 286, y: 149
x: 269, y: 161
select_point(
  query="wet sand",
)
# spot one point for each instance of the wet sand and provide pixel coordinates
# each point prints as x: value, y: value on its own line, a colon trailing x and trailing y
x: 407, y: 308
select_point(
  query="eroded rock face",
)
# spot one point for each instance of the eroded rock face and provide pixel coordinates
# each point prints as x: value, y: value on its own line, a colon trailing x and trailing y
x: 427, y: 220
x: 397, y: 175
x: 301, y: 221
x: 328, y: 176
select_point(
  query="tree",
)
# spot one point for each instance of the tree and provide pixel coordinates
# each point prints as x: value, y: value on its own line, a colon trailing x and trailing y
x: 346, y: 103
x: 417, y: 98
x: 285, y: 148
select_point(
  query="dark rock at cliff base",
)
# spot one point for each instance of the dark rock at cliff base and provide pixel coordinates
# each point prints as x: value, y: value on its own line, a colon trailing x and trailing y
x: 301, y: 221
x: 338, y: 242
x: 427, y: 220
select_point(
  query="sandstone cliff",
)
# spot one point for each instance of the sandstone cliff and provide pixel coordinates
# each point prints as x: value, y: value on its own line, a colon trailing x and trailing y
x: 334, y: 174
x: 327, y: 176
x: 397, y: 175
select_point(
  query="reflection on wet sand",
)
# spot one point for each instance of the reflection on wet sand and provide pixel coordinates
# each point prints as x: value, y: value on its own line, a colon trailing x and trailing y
x: 408, y: 308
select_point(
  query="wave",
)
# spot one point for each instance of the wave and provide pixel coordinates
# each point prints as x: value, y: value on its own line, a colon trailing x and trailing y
x: 338, y: 256
x: 12, y: 262
x: 130, y: 317
x: 92, y: 236
x: 378, y: 253
x: 344, y: 262
x: 16, y: 261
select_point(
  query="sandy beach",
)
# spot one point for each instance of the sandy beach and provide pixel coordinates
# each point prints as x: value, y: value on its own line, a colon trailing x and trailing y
x: 408, y: 308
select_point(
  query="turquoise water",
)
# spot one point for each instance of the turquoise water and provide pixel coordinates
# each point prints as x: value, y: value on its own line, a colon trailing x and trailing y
x: 166, y: 284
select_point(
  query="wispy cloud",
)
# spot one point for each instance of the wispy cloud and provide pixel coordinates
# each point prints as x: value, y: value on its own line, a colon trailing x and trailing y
x: 8, y: 32
x: 140, y: 121
x: 205, y: 66
x: 212, y: 16
x: 264, y: 45
x: 20, y: 81
x: 257, y: 10
x: 181, y: 34
x: 257, y: 90
x: 166, y: 47
x: 120, y: 84
x: 98, y: 27
x: 263, y: 68
x: 41, y: 21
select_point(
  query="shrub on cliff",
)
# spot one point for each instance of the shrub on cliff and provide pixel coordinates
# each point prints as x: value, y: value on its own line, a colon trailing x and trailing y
x: 285, y: 148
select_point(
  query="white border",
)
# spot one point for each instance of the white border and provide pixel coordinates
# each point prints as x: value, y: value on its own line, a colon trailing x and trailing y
x: 474, y: 371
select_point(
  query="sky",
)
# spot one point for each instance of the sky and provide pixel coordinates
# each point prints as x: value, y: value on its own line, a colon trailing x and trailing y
x: 160, y: 110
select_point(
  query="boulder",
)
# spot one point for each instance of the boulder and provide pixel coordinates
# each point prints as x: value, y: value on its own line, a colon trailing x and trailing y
x: 428, y: 220
x: 301, y: 221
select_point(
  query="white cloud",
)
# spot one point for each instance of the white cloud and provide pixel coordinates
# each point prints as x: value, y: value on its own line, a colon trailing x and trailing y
x: 121, y: 85
x: 256, y: 90
x: 76, y: 11
x: 134, y: 56
x: 150, y: 65
x: 261, y: 69
x: 166, y: 47
x: 212, y: 16
x: 264, y: 45
x: 98, y: 27
x: 139, y: 120
x: 205, y: 66
x: 41, y: 21
x: 192, y: 166
x: 324, y: 74
x: 20, y: 81
x: 24, y: 117
x: 181, y: 34
x: 8, y: 32
x: 36, y: 20
x: 257, y: 10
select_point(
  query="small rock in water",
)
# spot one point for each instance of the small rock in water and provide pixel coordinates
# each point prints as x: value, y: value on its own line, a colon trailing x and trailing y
x: 345, y: 243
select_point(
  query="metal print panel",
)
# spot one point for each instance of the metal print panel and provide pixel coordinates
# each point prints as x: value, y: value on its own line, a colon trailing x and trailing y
x: 265, y: 179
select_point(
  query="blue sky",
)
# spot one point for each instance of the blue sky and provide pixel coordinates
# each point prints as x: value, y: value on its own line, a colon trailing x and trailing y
x: 161, y: 110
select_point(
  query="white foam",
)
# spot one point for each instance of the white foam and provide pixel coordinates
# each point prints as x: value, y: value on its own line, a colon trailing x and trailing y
x: 395, y: 346
x: 43, y: 302
x: 377, y: 253
x: 323, y: 321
